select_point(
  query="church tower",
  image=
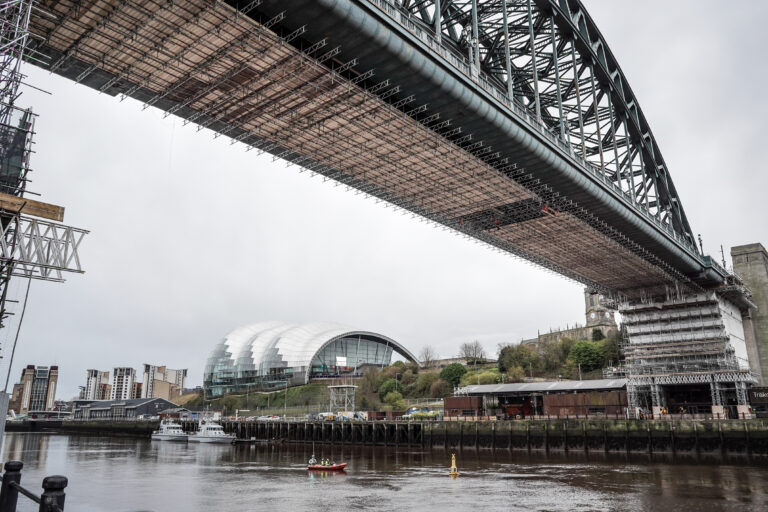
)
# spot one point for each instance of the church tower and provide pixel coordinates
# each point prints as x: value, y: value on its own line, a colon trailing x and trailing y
x: 597, y: 314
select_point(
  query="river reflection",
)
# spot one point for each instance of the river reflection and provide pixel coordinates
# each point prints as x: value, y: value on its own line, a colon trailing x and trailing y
x: 123, y: 474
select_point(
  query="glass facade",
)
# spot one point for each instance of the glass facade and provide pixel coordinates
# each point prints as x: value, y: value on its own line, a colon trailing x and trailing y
x: 346, y: 355
x: 39, y: 390
x: 272, y: 355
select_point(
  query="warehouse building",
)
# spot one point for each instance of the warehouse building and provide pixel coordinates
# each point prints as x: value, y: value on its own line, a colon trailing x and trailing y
x: 607, y: 397
x: 120, y: 409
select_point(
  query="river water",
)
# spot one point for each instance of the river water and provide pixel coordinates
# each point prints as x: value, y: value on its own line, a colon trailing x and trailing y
x: 121, y: 474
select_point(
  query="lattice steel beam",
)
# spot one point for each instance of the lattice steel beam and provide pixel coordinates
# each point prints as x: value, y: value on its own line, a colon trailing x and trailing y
x: 39, y: 249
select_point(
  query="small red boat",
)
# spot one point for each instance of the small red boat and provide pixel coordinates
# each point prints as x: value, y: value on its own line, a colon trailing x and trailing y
x: 329, y: 467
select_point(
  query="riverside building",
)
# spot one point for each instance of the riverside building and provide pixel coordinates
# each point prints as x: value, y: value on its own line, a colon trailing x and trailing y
x: 272, y: 355
x: 38, y: 388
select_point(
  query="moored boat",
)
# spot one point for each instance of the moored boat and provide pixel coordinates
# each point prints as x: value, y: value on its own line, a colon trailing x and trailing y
x: 211, y: 432
x: 170, y: 431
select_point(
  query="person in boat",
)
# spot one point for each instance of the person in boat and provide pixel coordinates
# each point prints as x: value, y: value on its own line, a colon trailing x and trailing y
x: 313, y: 460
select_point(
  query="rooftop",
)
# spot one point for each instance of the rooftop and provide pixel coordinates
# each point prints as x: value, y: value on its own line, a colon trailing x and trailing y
x: 545, y: 387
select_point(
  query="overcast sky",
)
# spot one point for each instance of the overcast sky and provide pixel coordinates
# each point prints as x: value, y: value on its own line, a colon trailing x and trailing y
x: 192, y: 237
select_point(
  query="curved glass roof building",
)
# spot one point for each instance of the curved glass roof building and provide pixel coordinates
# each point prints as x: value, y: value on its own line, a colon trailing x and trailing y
x: 268, y: 355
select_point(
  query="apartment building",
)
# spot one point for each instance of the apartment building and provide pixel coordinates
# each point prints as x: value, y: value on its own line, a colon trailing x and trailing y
x: 93, y: 384
x: 162, y: 382
x: 122, y: 383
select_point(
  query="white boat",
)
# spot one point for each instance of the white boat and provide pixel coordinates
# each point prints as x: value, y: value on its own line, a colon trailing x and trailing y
x: 170, y: 431
x: 211, y: 432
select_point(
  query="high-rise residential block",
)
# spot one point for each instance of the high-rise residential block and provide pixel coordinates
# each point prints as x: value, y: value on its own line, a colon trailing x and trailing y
x: 93, y: 384
x: 122, y: 383
x: 155, y: 374
x: 105, y: 391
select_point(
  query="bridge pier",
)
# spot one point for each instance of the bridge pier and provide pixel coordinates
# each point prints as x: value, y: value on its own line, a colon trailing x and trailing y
x: 688, y: 354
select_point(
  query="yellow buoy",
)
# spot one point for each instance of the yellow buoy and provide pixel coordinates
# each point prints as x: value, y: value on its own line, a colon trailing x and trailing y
x: 454, y: 470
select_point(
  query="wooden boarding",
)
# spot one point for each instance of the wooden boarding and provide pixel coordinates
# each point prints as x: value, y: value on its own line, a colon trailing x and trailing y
x: 31, y: 207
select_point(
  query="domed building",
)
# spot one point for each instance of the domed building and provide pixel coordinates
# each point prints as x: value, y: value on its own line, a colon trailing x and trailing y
x: 268, y: 355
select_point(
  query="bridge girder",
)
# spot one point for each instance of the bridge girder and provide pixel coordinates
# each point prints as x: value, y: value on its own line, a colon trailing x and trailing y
x: 267, y: 78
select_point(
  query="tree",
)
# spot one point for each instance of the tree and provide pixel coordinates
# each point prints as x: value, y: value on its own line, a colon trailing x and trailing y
x: 485, y: 377
x: 229, y: 403
x: 407, y: 378
x: 554, y: 353
x: 610, y: 350
x: 428, y: 356
x: 369, y: 382
x: 472, y: 351
x: 388, y: 386
x: 453, y: 373
x: 390, y: 371
x: 587, y: 354
x: 395, y: 401
x: 440, y: 389
x: 516, y: 374
x: 520, y: 355
x: 424, y: 383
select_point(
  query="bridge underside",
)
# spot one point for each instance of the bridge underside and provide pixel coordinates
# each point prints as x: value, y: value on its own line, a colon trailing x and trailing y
x: 294, y: 98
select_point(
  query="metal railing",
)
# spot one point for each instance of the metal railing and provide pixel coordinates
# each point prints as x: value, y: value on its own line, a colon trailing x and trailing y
x: 51, y: 500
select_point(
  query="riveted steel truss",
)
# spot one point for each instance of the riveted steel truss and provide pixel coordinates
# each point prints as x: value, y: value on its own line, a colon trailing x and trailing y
x: 39, y: 249
x: 550, y: 57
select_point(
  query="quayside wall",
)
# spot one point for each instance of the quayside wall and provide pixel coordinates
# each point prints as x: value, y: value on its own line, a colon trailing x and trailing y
x: 109, y: 428
x: 736, y: 436
x: 749, y: 437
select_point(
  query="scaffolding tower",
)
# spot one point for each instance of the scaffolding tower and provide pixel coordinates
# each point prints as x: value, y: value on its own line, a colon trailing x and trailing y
x: 33, y: 242
x: 342, y: 398
x: 687, y: 339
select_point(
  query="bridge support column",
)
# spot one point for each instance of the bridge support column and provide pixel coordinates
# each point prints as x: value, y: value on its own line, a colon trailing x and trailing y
x: 690, y: 345
x: 718, y: 411
x: 658, y: 400
x: 742, y: 407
